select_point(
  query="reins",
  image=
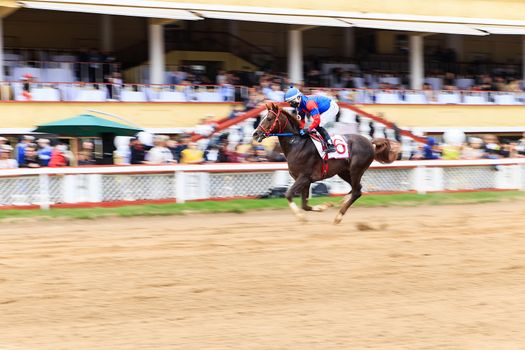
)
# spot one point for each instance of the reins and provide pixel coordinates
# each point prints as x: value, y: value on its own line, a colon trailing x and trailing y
x: 277, y: 122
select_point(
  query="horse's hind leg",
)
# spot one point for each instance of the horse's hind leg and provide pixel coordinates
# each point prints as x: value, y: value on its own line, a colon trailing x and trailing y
x: 305, y: 192
x: 354, y: 179
x: 304, y: 198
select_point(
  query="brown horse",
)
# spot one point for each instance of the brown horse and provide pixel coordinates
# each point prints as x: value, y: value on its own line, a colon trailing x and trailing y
x: 306, y: 166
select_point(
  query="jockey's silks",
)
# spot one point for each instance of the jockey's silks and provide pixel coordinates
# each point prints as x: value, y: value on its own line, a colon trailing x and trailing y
x: 313, y: 106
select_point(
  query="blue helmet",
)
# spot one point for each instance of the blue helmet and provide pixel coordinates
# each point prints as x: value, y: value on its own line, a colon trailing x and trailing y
x: 292, y: 94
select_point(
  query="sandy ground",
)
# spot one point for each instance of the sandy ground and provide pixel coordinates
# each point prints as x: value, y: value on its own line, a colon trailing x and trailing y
x: 450, y: 277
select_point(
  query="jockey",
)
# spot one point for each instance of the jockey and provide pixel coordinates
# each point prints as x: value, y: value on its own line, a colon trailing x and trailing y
x: 322, y: 110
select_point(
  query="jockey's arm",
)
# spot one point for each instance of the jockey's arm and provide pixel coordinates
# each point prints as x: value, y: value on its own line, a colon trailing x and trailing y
x: 313, y: 110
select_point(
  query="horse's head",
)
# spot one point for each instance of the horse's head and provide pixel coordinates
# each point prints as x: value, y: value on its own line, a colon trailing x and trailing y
x: 275, y: 121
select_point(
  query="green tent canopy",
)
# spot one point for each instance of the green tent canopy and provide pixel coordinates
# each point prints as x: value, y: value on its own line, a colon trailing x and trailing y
x: 85, y: 125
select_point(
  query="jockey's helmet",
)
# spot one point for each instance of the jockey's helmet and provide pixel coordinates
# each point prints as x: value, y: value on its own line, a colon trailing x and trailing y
x: 293, y: 97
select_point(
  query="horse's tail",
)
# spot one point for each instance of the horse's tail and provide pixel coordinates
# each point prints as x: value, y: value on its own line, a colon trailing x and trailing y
x: 386, y: 151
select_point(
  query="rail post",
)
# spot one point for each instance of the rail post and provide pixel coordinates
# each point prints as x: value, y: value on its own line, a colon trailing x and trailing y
x: 43, y: 182
x: 418, y: 179
x: 521, y: 176
x: 180, y: 186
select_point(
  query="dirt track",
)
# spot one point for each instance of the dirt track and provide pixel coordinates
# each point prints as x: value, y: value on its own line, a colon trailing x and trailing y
x: 412, y: 278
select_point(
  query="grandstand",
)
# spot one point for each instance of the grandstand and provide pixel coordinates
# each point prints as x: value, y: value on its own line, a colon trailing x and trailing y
x: 167, y: 65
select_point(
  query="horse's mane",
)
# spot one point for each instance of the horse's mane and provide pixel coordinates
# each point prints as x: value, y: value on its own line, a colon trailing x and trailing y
x: 290, y: 117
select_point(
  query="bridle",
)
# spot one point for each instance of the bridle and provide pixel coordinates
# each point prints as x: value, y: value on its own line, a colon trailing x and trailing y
x: 276, y: 123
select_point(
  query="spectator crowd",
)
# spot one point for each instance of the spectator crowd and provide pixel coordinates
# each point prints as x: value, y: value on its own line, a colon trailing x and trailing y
x: 31, y: 153
x: 218, y: 149
x: 486, y: 147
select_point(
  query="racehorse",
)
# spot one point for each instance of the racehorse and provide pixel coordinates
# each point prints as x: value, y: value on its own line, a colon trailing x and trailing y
x: 306, y: 165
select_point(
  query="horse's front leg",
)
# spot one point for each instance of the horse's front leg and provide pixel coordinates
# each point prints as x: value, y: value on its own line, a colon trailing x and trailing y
x: 304, y: 196
x: 300, y: 184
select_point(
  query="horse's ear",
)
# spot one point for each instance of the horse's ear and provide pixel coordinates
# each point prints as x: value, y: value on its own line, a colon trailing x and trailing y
x: 268, y: 106
x: 275, y: 107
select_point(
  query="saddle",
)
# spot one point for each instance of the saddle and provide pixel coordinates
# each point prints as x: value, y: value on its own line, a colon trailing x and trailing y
x: 340, y: 144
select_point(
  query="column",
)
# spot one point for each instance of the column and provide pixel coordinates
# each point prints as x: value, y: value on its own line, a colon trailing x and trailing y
x: 106, y: 32
x: 295, y: 56
x: 157, y: 66
x: 417, y: 70
x: 348, y: 42
x: 1, y: 49
x: 523, y: 61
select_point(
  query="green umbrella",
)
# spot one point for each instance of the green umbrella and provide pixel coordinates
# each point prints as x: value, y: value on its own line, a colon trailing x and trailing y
x: 87, y: 125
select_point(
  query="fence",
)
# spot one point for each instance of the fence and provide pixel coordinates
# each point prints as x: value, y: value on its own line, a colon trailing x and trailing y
x: 126, y: 184
x: 101, y: 92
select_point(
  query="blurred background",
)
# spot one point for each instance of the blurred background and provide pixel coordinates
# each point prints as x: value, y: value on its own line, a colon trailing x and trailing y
x: 87, y: 83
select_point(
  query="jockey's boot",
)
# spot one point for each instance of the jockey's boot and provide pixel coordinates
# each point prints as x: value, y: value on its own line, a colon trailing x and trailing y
x: 329, y: 144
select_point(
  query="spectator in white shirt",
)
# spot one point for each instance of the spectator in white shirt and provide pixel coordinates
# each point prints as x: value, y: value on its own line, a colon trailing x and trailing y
x: 160, y: 154
x: 6, y: 161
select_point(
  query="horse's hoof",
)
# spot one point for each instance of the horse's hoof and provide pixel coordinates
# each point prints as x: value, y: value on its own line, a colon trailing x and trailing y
x: 321, y: 207
x: 338, y: 219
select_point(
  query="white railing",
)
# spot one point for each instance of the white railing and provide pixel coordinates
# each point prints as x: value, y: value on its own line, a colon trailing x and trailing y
x: 129, y: 92
x: 64, y: 71
x: 69, y: 186
x: 102, y: 92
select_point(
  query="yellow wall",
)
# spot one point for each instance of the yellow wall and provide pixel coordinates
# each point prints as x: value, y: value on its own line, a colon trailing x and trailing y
x: 172, y: 115
x: 147, y: 115
x: 449, y: 116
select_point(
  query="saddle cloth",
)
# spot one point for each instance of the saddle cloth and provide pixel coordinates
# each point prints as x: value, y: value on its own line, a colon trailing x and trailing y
x: 340, y: 144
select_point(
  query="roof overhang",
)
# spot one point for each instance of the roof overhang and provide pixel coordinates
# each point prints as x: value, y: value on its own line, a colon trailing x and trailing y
x: 501, y: 30
x: 196, y: 11
x: 411, y: 26
x: 133, y: 11
x: 268, y: 18
x: 192, y: 6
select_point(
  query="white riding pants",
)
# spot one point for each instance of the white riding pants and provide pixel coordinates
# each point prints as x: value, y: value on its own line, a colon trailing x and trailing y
x: 330, y: 115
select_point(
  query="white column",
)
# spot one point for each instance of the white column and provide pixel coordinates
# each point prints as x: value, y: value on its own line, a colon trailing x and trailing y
x: 348, y: 42
x: 522, y: 59
x: 106, y: 32
x: 1, y: 49
x: 157, y: 66
x: 417, y: 70
x: 295, y: 56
